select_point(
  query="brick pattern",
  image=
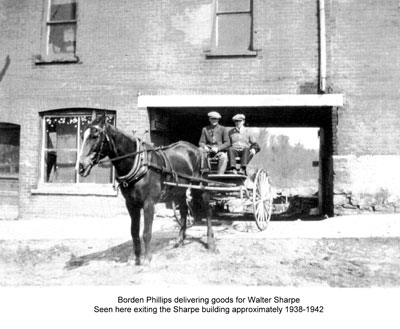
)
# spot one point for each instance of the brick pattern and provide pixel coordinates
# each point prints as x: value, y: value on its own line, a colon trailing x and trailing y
x: 158, y: 47
x: 62, y: 206
x: 365, y: 66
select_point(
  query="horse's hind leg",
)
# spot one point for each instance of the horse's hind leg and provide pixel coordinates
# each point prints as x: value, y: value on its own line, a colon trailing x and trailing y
x: 134, y: 213
x: 207, y: 210
x: 183, y: 210
x: 202, y: 209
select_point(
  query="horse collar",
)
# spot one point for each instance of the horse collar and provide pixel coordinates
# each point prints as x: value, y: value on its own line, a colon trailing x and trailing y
x: 139, y: 167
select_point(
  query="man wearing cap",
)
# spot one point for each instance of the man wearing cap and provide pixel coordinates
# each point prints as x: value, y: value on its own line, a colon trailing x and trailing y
x: 214, y: 142
x: 243, y: 144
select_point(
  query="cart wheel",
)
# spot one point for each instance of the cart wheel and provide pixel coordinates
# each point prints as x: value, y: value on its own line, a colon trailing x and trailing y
x: 177, y: 215
x: 262, y: 200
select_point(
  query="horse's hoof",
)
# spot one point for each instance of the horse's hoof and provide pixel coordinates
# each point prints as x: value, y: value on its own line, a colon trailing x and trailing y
x: 178, y: 243
x: 212, y: 248
x: 146, y: 262
x: 132, y: 260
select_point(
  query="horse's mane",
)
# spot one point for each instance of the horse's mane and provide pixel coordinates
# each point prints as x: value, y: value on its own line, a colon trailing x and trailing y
x: 120, y: 131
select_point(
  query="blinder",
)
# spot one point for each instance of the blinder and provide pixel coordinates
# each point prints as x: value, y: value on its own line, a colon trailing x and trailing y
x: 97, y: 131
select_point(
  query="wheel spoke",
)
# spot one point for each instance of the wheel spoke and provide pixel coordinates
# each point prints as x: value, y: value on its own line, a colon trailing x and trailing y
x: 262, y: 201
x: 266, y: 210
x: 258, y: 201
x: 262, y: 213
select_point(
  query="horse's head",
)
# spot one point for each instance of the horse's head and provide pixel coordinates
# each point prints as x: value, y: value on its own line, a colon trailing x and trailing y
x: 95, y: 146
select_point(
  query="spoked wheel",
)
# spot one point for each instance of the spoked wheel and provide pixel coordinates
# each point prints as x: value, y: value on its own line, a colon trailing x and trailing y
x: 262, y: 200
x: 177, y: 215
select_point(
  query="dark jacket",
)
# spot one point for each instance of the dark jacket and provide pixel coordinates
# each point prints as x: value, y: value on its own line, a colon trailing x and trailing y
x: 215, y: 136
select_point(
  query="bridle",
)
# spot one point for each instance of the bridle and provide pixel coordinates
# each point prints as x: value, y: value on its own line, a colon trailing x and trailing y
x: 100, y: 151
x: 139, y: 167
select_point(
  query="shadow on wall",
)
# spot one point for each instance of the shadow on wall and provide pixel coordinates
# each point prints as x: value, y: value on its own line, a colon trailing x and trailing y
x: 5, y: 67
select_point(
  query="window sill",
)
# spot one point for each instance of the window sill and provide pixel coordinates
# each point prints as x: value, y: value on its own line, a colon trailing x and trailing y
x: 9, y: 177
x: 49, y: 60
x: 213, y: 53
x: 75, y: 189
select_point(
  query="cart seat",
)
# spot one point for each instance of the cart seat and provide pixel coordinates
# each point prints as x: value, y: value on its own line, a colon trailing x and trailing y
x: 213, y: 164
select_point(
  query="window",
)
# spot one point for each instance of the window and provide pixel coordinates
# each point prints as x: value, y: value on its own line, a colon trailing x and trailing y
x: 9, y: 150
x: 60, y: 31
x: 63, y: 136
x: 232, y: 28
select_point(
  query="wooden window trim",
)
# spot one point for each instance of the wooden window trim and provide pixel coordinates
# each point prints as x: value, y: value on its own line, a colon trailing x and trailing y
x: 42, y: 181
x: 214, y: 52
x: 44, y: 58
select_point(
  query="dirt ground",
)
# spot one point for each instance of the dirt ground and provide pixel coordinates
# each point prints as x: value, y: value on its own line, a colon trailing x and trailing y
x: 284, y: 257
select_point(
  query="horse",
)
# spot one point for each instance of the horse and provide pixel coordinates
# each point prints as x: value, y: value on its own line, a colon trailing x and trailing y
x: 142, y: 172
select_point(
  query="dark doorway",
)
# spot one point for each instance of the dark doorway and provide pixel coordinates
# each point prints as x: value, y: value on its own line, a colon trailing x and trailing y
x: 169, y: 125
x: 9, y: 170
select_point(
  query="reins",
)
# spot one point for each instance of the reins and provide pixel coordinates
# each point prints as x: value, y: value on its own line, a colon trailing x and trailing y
x: 105, y: 160
x: 134, y: 174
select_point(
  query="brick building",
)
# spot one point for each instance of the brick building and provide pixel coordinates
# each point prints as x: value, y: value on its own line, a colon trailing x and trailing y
x: 162, y: 65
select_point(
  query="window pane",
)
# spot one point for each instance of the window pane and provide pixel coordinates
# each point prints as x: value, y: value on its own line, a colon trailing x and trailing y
x: 100, y: 174
x: 61, y: 132
x: 61, y: 145
x: 60, y: 166
x: 61, y: 10
x: 233, y: 5
x: 234, y: 31
x: 9, y: 151
x: 62, y: 39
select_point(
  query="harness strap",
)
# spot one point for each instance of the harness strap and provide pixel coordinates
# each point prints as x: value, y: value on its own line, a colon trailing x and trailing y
x: 168, y: 167
x: 158, y: 168
x: 139, y: 167
x: 138, y: 152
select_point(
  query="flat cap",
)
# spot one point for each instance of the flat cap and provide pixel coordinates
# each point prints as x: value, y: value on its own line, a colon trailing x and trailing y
x: 214, y: 114
x: 238, y: 117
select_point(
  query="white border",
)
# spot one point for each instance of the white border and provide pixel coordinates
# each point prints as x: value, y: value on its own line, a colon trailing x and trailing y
x: 239, y: 100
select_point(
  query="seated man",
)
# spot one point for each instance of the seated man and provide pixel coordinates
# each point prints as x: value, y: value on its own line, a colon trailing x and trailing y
x: 243, y: 144
x: 213, y: 143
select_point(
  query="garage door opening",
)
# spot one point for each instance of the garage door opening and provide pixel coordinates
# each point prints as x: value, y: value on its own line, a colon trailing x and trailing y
x: 291, y: 158
x: 297, y: 148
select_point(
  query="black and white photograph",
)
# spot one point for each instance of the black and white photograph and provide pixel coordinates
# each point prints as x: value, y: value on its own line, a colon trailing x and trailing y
x: 176, y: 162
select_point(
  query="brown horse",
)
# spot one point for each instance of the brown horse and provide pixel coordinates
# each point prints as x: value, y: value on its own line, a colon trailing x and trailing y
x: 142, y: 171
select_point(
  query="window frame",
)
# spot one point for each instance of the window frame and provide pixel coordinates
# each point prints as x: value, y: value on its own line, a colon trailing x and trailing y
x: 45, y: 57
x: 214, y: 50
x: 71, y: 188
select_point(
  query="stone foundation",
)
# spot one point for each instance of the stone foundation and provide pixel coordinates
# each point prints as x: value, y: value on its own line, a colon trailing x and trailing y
x: 366, y: 184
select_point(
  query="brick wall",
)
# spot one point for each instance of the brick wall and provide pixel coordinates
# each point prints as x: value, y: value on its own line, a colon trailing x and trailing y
x: 158, y: 47
x: 72, y: 206
x: 364, y: 47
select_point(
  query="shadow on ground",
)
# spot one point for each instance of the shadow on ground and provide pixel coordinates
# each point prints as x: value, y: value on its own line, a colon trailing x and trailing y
x: 274, y: 218
x: 123, y: 252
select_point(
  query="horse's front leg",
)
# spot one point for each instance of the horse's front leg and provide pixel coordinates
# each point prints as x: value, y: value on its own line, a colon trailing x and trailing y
x: 148, y: 209
x: 134, y: 212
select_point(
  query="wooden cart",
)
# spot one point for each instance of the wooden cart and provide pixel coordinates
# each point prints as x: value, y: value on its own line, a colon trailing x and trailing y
x: 253, y: 194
